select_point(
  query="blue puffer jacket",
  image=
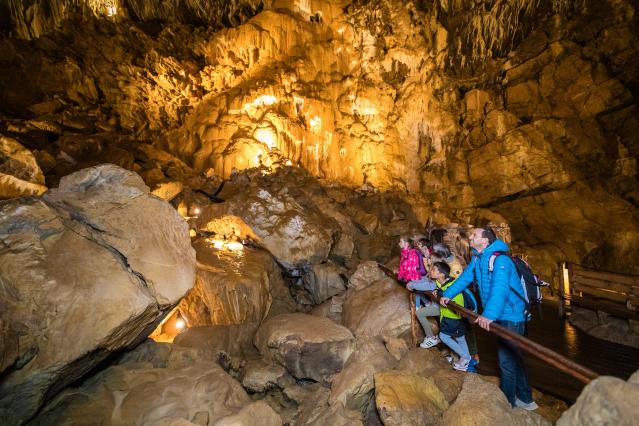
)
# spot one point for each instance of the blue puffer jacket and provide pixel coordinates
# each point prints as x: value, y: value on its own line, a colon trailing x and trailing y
x: 497, y: 294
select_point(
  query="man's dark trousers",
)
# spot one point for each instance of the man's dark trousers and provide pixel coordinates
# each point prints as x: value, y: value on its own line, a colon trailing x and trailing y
x: 514, y: 380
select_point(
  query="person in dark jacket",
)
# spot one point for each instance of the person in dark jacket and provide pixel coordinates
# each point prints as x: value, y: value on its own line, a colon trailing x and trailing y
x: 502, y: 304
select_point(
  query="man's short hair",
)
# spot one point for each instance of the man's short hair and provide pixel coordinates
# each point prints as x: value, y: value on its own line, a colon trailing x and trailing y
x: 489, y: 234
x: 443, y: 268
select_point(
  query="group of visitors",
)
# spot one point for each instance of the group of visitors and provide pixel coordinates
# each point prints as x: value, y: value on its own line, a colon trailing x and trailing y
x: 426, y: 267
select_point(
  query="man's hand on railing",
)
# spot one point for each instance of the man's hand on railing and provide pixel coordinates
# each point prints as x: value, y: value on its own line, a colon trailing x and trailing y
x: 483, y: 322
x: 443, y: 301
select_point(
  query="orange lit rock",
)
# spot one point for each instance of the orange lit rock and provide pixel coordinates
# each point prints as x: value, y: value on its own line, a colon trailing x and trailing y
x: 232, y: 286
x: 19, y: 172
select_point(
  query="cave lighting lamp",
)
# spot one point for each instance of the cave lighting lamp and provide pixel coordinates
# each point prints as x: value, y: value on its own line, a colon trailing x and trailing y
x: 289, y: 163
x: 180, y: 323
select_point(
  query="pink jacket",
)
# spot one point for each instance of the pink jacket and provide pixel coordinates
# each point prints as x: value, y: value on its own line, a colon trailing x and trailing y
x: 409, y: 266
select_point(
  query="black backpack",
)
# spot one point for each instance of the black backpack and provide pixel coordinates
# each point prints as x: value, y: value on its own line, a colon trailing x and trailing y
x: 531, y: 284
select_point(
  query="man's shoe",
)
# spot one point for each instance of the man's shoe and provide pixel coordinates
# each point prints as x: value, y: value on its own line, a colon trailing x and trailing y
x: 530, y: 406
x: 429, y: 342
x: 472, y: 366
x: 461, y: 365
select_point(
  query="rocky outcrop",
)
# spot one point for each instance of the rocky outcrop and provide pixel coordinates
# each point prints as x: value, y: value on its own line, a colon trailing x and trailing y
x: 606, y: 400
x: 294, y: 235
x: 19, y: 172
x: 406, y: 399
x: 198, y: 393
x: 482, y: 403
x: 307, y: 346
x: 323, y: 281
x: 353, y: 386
x: 380, y: 309
x: 96, y: 280
x: 233, y: 285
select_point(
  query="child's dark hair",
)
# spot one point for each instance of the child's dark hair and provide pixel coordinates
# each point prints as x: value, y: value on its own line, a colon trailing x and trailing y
x: 425, y: 242
x: 443, y: 268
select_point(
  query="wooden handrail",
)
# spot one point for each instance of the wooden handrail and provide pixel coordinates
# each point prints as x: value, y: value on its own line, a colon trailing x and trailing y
x: 578, y: 371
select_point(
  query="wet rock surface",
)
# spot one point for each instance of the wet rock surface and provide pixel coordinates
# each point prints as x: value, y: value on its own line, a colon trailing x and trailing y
x: 231, y: 287
x: 83, y: 242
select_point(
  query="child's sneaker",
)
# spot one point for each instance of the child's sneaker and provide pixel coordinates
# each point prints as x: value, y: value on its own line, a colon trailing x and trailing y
x: 429, y: 342
x: 472, y: 366
x: 462, y: 364
x: 530, y: 406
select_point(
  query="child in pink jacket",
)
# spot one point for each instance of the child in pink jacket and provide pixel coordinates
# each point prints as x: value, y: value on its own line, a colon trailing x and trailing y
x: 409, y: 262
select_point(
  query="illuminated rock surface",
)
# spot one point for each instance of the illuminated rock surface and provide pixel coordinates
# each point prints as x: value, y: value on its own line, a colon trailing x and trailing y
x: 19, y: 172
x: 96, y: 280
x: 310, y: 135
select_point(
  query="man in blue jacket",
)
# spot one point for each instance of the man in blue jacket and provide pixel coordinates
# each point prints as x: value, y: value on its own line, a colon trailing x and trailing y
x: 502, y: 305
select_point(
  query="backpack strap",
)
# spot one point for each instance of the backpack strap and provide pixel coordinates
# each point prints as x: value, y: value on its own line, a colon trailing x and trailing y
x: 491, y: 260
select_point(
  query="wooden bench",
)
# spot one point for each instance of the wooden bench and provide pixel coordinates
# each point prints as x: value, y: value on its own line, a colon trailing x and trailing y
x: 614, y: 293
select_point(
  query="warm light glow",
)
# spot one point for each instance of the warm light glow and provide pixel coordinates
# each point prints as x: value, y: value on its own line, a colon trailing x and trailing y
x: 289, y: 163
x: 196, y: 210
x: 226, y: 245
x: 180, y: 324
x: 316, y: 124
x: 266, y: 136
x: 260, y: 101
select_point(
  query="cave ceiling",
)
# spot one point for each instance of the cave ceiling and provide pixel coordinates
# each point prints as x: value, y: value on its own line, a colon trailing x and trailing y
x: 509, y: 110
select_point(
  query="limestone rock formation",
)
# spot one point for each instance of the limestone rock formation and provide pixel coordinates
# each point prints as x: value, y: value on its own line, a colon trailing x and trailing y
x: 259, y: 376
x: 307, y: 346
x: 367, y: 273
x: 606, y: 400
x: 381, y: 309
x: 200, y: 393
x: 324, y: 281
x: 19, y: 172
x: 233, y: 286
x: 482, y: 403
x: 352, y: 387
x: 292, y: 234
x: 96, y: 280
x: 229, y: 345
x: 406, y: 399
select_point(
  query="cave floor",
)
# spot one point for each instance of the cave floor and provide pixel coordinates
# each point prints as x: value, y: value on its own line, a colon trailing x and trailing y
x: 606, y: 358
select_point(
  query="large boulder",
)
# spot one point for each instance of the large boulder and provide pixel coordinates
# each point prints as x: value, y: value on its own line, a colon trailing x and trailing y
x: 315, y: 410
x: 605, y: 401
x: 19, y: 172
x: 481, y: 403
x: 294, y: 235
x: 352, y: 387
x: 307, y: 346
x: 83, y: 279
x: 407, y: 399
x: 231, y: 286
x: 381, y: 309
x: 200, y: 393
